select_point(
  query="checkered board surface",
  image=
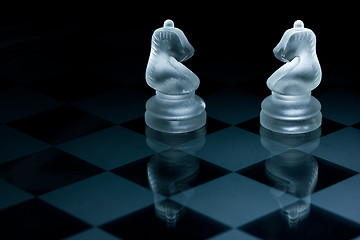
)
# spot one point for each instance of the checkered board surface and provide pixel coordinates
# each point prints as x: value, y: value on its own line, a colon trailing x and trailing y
x: 77, y: 162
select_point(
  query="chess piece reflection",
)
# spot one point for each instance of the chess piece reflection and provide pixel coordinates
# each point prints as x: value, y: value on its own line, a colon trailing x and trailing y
x: 175, y: 108
x: 291, y: 108
x: 293, y: 171
x: 173, y: 171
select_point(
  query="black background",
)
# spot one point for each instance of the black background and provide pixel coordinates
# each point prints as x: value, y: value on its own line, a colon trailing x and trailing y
x: 227, y: 37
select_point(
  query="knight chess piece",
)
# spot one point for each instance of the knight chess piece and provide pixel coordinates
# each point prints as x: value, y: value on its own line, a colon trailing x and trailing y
x: 291, y: 108
x: 175, y: 108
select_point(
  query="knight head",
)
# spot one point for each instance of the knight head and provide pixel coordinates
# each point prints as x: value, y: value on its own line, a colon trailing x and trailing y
x: 171, y: 41
x: 295, y: 42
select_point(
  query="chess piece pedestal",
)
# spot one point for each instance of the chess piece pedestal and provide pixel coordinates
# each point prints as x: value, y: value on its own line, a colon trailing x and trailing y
x: 175, y: 113
x: 290, y: 114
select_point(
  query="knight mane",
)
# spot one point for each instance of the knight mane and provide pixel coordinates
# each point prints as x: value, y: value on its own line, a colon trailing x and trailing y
x: 307, y: 36
x: 160, y: 36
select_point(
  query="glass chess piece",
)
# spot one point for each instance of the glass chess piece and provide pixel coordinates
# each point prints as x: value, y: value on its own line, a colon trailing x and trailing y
x: 175, y: 108
x: 291, y: 108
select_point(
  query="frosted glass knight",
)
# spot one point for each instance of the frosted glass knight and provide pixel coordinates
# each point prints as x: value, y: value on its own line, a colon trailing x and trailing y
x: 291, y: 108
x: 175, y: 108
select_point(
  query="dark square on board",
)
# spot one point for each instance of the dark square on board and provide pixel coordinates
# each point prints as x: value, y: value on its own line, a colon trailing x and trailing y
x: 35, y: 219
x: 47, y: 170
x: 170, y: 172
x: 61, y: 124
x: 165, y: 220
x: 315, y: 224
x: 297, y: 172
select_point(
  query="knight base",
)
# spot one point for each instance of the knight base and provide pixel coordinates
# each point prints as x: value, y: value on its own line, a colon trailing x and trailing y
x: 290, y: 114
x: 175, y: 113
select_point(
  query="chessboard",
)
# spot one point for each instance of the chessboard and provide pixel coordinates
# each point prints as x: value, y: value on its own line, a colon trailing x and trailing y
x: 78, y: 162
